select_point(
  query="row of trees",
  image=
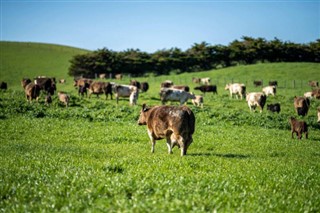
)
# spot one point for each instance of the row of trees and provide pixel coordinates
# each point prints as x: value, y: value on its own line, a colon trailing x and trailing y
x: 202, y: 56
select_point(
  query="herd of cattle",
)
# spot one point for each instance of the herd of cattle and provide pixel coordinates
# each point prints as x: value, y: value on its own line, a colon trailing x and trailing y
x: 175, y: 123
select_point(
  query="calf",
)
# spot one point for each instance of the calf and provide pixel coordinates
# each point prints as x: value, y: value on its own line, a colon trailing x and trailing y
x: 274, y: 107
x: 298, y: 127
x: 269, y: 90
x: 32, y: 91
x: 168, y: 94
x: 255, y: 99
x: 207, y: 88
x: 197, y: 101
x: 301, y: 105
x: 64, y: 98
x: 238, y: 89
x: 175, y: 124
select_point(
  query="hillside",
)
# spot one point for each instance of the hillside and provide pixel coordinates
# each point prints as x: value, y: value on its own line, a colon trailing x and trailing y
x: 24, y: 59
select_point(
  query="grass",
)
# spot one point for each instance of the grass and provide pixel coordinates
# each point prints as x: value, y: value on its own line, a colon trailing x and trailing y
x: 93, y: 157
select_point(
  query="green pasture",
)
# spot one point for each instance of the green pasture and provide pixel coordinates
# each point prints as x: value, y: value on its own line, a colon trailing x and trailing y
x: 93, y: 157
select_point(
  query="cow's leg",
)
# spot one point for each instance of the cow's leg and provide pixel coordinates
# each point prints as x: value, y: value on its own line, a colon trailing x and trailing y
x: 306, y: 133
x: 292, y: 134
x: 169, y: 145
x: 153, y: 141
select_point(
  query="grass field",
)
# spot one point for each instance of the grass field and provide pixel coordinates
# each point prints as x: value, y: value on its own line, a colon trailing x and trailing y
x: 93, y: 157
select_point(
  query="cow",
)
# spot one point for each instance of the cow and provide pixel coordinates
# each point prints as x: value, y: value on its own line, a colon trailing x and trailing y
x: 62, y: 81
x: 174, y: 123
x: 308, y: 95
x: 256, y: 99
x: 102, y: 76
x: 269, y: 90
x: 82, y: 82
x: 169, y: 94
x: 273, y: 83
x: 98, y: 88
x: 316, y: 93
x: 318, y: 115
x: 64, y: 98
x: 32, y: 90
x: 205, y: 81
x: 166, y: 84
x: 3, y: 85
x: 144, y: 86
x: 207, y: 88
x: 197, y: 101
x: 118, y: 76
x: 257, y: 83
x: 301, y: 105
x: 83, y: 90
x: 313, y: 83
x: 238, y: 89
x: 196, y: 80
x: 274, y: 107
x: 298, y: 127
x: 135, y: 83
x: 46, y: 84
x: 126, y: 91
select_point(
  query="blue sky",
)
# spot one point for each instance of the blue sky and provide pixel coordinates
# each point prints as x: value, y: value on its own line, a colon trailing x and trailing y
x: 155, y: 25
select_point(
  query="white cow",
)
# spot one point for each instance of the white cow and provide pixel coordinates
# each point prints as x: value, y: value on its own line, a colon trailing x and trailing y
x: 126, y: 91
x: 205, y: 81
x: 308, y: 95
x: 269, y: 90
x: 238, y: 89
x: 256, y: 99
x: 169, y: 94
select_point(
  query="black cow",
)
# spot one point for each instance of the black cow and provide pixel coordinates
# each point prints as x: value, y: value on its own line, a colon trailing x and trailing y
x: 274, y: 107
x: 207, y: 88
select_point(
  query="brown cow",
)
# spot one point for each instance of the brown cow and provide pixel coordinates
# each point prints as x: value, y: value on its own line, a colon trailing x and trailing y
x: 301, y: 104
x: 176, y: 124
x: 298, y: 127
x: 313, y: 83
x: 82, y: 82
x: 100, y: 88
x: 316, y: 93
x: 32, y: 91
x: 46, y: 84
x: 64, y: 98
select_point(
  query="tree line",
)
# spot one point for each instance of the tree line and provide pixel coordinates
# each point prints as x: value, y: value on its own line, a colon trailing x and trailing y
x: 200, y: 57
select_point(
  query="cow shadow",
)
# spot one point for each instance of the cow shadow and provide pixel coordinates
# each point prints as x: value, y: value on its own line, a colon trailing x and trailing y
x: 227, y: 155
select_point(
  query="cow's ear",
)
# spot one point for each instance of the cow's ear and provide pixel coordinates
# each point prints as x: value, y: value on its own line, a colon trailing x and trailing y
x: 144, y: 107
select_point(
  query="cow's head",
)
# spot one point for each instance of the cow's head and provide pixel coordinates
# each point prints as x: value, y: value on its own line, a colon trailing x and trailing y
x: 227, y: 87
x: 143, y: 115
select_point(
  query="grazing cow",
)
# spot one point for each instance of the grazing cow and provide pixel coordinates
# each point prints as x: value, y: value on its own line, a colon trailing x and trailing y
x: 197, y: 101
x: 196, y: 80
x: 46, y: 84
x: 175, y: 124
x: 32, y: 91
x: 169, y: 94
x: 238, y: 89
x: 144, y: 86
x: 205, y: 81
x: 181, y: 87
x: 257, y: 83
x: 118, y: 76
x: 274, y: 107
x: 298, y: 127
x: 256, y: 99
x: 62, y: 81
x: 166, y: 84
x: 316, y: 93
x: 64, y: 98
x: 301, y: 104
x: 3, y: 85
x: 273, y: 83
x: 207, y: 88
x: 126, y: 91
x: 269, y: 90
x: 98, y: 88
x: 318, y: 115
x: 313, y: 83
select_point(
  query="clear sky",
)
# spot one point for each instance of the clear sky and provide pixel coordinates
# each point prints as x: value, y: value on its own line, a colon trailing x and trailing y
x: 155, y: 25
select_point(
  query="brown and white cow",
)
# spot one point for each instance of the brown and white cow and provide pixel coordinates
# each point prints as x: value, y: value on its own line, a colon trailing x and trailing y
x: 175, y: 124
x: 169, y: 94
x: 98, y: 88
x: 64, y: 98
x: 32, y: 90
x: 238, y: 89
x: 256, y: 99
x: 207, y: 88
x: 301, y: 105
x: 298, y: 127
x: 197, y: 101
x: 269, y: 90
x: 127, y: 91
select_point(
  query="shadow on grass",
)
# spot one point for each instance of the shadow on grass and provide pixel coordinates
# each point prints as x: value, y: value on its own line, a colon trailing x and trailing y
x: 228, y: 155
